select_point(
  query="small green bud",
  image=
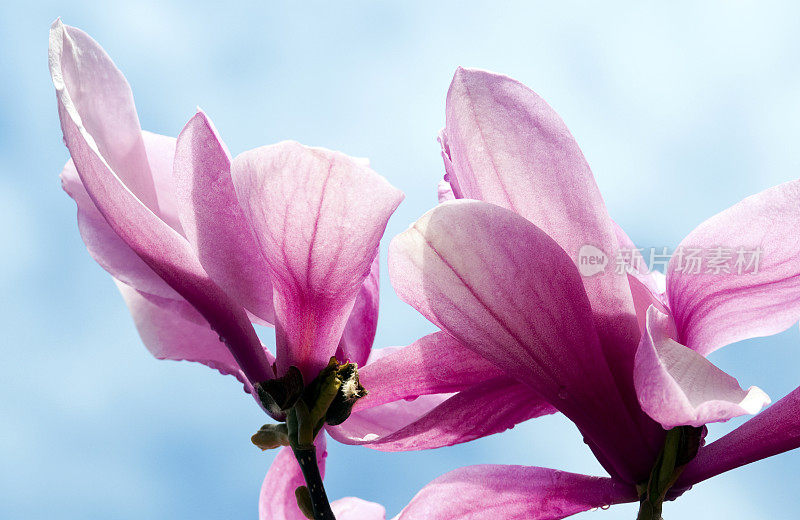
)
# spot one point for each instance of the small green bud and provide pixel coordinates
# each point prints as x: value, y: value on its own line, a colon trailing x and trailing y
x: 271, y: 436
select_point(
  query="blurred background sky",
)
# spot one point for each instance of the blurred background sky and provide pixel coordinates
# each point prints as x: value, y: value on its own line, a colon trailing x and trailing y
x: 681, y: 110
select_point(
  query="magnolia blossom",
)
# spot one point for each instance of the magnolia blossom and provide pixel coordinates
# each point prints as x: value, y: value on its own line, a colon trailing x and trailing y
x: 621, y: 359
x: 202, y: 244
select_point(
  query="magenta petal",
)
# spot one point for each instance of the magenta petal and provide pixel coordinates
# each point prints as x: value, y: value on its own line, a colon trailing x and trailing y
x: 468, y: 267
x: 513, y: 493
x: 434, y: 364
x: 433, y: 421
x: 505, y: 145
x: 114, y: 255
x: 679, y: 387
x: 98, y: 91
x: 773, y: 431
x: 637, y: 265
x: 713, y: 310
x: 643, y: 299
x: 161, y: 156
x: 173, y: 329
x: 359, y: 332
x: 352, y: 508
x: 318, y: 216
x: 105, y: 246
x: 160, y: 246
x: 213, y: 220
x: 445, y: 191
x: 277, y: 500
x: 508, y: 147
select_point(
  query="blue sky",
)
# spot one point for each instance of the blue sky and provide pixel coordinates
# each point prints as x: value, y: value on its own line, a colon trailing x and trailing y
x: 681, y: 110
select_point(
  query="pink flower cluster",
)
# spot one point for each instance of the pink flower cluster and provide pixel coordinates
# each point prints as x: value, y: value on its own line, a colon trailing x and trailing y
x: 202, y: 245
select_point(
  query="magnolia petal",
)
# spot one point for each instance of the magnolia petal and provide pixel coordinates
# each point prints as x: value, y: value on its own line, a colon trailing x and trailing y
x: 513, y: 493
x: 643, y: 298
x: 105, y: 246
x: 318, y: 216
x: 508, y: 147
x: 446, y: 187
x: 352, y: 508
x: 161, y: 156
x: 775, y: 430
x: 213, y: 220
x: 98, y: 91
x: 713, y: 310
x: 505, y: 145
x: 108, y: 250
x: 173, y: 329
x: 679, y: 387
x: 359, y: 332
x: 434, y: 364
x: 637, y: 265
x: 160, y: 246
x: 445, y: 191
x: 277, y: 499
x: 433, y: 421
x: 468, y: 267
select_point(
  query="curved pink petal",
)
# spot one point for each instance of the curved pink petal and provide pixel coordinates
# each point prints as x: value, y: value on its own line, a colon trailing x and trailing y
x: 213, y: 221
x: 359, y: 331
x: 161, y: 156
x: 445, y: 191
x: 773, y: 431
x: 637, y: 265
x: 318, y: 216
x: 433, y: 421
x: 513, y: 493
x: 173, y: 329
x: 679, y: 387
x: 504, y: 144
x: 108, y: 250
x: 755, y: 298
x: 506, y: 290
x: 643, y: 298
x: 434, y: 364
x: 105, y: 246
x: 352, y: 508
x: 98, y: 91
x: 450, y: 189
x: 160, y: 246
x: 277, y: 499
x: 508, y: 147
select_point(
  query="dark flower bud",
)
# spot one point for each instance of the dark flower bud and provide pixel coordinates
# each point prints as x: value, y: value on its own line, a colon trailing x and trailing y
x: 350, y: 391
x: 278, y: 395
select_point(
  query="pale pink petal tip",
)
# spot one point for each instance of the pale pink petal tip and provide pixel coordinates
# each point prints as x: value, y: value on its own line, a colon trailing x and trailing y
x: 677, y: 386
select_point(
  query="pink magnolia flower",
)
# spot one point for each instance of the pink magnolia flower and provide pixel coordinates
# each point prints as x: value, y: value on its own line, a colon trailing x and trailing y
x: 622, y: 360
x: 201, y: 244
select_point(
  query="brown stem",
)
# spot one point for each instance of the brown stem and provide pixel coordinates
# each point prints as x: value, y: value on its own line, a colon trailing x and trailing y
x: 307, y: 458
